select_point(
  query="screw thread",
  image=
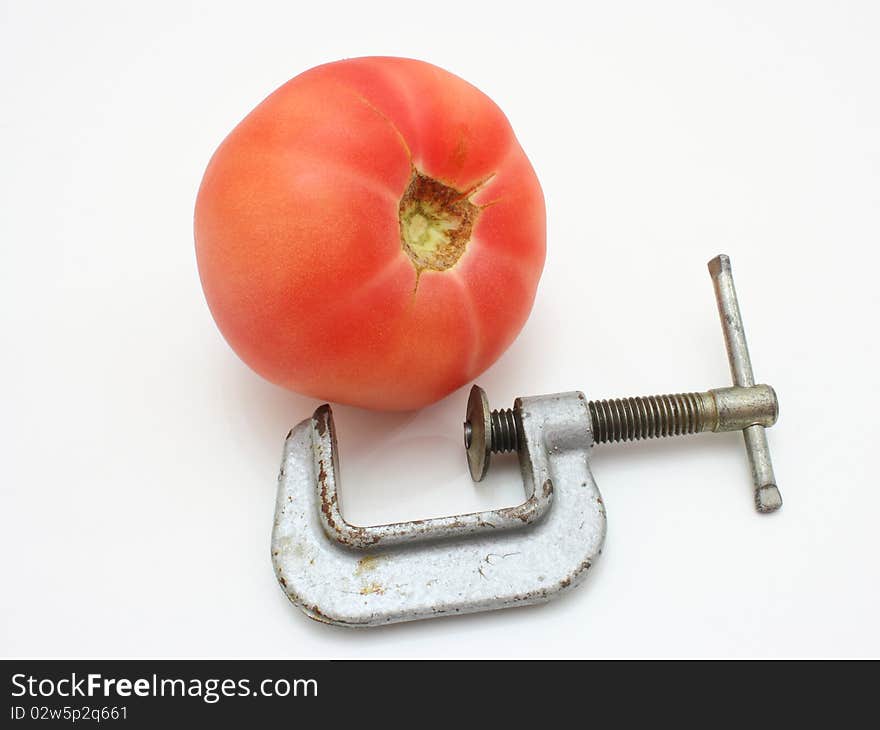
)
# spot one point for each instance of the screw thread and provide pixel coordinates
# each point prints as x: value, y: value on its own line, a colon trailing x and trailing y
x: 503, y: 431
x: 645, y: 417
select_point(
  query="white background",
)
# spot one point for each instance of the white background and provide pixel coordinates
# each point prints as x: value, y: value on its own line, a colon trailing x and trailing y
x: 139, y: 456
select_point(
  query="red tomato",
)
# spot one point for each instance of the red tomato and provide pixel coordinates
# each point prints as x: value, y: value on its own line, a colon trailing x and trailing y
x: 372, y: 233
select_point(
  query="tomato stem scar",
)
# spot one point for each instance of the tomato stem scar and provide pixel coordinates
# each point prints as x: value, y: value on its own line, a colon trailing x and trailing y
x: 436, y: 222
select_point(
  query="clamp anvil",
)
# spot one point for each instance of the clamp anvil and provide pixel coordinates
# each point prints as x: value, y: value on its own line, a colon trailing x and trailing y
x: 349, y: 575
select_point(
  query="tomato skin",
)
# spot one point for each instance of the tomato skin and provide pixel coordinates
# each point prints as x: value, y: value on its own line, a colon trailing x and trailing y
x: 298, y: 234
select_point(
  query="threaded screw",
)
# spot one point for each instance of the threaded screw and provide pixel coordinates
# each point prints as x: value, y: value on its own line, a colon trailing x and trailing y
x: 655, y: 416
x: 745, y: 407
x: 645, y: 417
x: 502, y: 436
x: 620, y: 419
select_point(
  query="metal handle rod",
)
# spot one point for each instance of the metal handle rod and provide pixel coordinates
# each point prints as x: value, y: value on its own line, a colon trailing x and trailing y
x: 767, y: 496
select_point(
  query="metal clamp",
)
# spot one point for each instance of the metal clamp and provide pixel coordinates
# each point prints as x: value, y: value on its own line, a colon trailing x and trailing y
x: 349, y: 575
x: 368, y: 576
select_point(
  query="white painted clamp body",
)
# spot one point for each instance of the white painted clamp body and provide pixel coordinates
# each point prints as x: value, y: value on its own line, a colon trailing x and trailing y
x: 347, y: 575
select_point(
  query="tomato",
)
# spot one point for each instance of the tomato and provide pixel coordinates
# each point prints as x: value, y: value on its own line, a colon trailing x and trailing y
x: 372, y: 233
